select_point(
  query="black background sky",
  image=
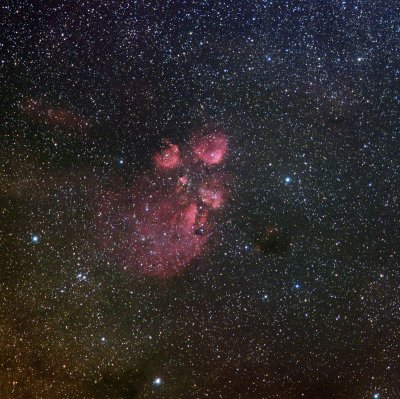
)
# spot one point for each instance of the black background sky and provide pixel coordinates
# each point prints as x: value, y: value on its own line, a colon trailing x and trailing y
x: 308, y: 93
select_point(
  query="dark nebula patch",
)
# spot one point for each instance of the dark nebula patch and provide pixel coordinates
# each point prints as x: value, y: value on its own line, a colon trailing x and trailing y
x: 272, y: 240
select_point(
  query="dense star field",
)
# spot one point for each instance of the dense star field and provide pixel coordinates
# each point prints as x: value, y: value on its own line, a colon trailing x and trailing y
x: 200, y: 199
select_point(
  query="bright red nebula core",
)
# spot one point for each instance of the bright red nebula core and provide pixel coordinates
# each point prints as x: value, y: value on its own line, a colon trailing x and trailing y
x: 167, y: 220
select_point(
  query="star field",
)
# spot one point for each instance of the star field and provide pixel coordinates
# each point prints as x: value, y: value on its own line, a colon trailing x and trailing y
x: 251, y: 148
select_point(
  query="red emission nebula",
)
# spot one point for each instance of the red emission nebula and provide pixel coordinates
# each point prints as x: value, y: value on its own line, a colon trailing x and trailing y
x: 166, y: 220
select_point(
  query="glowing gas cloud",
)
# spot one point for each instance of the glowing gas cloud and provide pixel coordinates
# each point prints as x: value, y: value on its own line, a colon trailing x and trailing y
x: 165, y: 221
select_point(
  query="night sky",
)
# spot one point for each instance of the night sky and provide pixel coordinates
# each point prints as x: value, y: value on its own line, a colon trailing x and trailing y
x: 200, y: 199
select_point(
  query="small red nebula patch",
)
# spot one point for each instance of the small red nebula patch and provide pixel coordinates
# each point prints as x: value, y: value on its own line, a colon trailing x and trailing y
x: 183, y: 180
x: 212, y: 193
x: 168, y: 158
x: 212, y: 148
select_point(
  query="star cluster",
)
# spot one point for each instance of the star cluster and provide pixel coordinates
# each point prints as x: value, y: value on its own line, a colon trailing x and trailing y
x: 295, y: 292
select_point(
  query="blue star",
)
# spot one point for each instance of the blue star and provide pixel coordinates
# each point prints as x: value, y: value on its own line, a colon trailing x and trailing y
x: 288, y: 179
x: 376, y: 396
x: 268, y: 58
x: 297, y: 286
x: 35, y: 239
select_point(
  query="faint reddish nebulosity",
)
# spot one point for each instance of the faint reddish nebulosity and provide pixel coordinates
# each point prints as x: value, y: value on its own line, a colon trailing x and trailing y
x: 61, y: 117
x: 167, y: 219
x: 65, y: 118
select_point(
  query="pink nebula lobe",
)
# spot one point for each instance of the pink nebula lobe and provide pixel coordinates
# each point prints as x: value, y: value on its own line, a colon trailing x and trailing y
x: 168, y: 158
x: 212, y: 148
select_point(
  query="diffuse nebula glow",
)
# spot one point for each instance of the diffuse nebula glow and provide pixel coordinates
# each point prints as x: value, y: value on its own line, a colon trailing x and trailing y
x: 166, y: 223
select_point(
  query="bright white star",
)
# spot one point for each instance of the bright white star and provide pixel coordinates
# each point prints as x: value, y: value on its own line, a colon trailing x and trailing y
x: 157, y: 381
